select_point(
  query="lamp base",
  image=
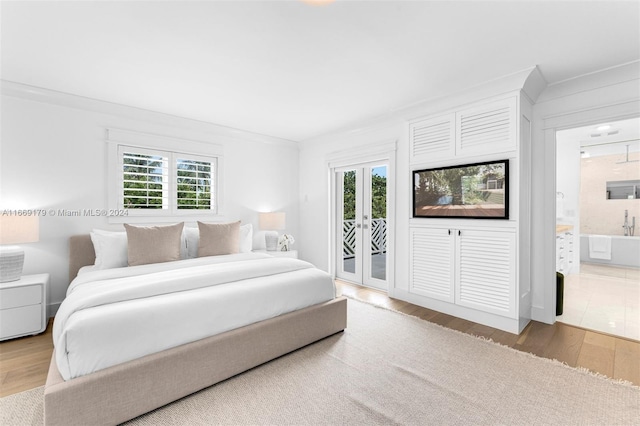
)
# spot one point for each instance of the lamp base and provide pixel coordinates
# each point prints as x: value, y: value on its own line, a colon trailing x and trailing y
x: 11, y: 263
x: 271, y: 240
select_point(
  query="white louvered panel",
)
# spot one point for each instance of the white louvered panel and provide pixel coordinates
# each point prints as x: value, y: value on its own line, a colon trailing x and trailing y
x: 432, y: 138
x: 486, y: 271
x: 489, y: 128
x: 432, y: 264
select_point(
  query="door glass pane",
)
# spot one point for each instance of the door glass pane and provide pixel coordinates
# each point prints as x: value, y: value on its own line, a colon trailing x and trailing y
x: 349, y: 221
x: 379, y: 222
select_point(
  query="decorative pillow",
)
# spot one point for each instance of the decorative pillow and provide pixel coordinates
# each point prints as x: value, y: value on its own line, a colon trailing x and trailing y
x: 218, y: 238
x: 192, y: 237
x: 110, y: 248
x: 153, y: 244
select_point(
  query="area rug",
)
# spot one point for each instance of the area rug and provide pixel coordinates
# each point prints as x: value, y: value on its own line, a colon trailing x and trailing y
x: 390, y: 368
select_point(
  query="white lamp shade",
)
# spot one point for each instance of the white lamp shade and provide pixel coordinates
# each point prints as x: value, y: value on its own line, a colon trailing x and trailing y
x: 19, y: 229
x: 274, y: 221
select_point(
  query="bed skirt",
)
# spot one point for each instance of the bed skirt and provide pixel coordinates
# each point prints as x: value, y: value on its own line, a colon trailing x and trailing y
x: 123, y: 392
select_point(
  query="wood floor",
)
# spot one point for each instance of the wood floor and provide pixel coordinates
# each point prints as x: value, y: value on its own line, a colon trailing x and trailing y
x: 24, y: 362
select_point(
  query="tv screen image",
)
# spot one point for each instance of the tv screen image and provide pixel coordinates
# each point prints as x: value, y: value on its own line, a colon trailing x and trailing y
x: 479, y: 191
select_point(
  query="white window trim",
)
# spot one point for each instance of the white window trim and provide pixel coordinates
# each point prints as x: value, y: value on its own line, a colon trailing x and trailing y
x: 116, y: 139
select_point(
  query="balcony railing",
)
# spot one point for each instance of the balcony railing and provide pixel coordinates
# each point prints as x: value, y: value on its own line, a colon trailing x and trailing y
x: 378, y: 237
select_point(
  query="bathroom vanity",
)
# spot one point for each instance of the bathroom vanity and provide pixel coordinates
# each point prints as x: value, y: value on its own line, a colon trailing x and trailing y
x: 564, y: 248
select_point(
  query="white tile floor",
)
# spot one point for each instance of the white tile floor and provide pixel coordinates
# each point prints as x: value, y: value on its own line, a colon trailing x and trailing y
x: 603, y: 298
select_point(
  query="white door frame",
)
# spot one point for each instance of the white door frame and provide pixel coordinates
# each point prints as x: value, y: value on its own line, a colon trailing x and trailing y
x: 362, y: 155
x: 363, y: 226
x: 550, y: 126
x: 357, y: 276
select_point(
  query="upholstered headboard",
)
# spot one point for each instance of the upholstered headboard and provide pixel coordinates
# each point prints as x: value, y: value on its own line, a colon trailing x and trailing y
x: 81, y: 253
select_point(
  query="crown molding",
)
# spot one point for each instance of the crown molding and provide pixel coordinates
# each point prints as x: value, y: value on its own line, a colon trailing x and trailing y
x: 530, y: 81
x: 39, y: 94
x: 612, y: 76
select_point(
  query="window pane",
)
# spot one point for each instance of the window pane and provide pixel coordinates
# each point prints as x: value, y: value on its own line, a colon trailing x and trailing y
x: 143, y: 181
x: 379, y: 222
x: 194, y: 179
x: 349, y: 240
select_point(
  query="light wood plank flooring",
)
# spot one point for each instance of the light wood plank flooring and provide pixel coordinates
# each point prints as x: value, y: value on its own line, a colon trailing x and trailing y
x: 24, y: 362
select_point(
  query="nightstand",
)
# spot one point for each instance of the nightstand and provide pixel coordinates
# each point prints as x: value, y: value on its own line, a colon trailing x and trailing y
x: 291, y: 253
x: 23, y: 306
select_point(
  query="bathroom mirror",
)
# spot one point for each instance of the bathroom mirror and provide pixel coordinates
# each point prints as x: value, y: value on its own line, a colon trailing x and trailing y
x: 623, y: 189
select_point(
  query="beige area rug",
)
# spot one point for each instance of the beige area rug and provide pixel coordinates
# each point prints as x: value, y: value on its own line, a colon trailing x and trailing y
x: 389, y: 368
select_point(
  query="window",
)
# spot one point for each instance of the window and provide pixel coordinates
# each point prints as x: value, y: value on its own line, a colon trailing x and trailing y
x: 160, y: 182
x: 194, y: 183
x: 144, y: 180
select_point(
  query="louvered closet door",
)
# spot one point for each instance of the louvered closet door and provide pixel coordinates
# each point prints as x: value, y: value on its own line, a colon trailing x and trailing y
x: 489, y: 128
x: 432, y: 263
x: 432, y: 139
x: 486, y: 271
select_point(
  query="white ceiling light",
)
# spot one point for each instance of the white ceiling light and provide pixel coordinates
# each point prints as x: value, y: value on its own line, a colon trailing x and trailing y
x: 603, y: 127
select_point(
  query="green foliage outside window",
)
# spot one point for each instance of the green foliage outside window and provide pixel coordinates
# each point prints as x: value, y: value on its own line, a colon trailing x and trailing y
x: 143, y: 181
x: 194, y: 184
x: 378, y: 196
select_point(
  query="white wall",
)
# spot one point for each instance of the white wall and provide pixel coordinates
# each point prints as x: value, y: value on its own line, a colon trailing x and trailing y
x: 609, y: 95
x: 54, y: 157
x: 314, y: 189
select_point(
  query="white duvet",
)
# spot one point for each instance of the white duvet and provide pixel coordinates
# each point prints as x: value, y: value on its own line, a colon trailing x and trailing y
x: 116, y: 315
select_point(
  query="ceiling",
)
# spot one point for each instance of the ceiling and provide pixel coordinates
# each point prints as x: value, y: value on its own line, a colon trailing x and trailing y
x: 293, y: 70
x: 610, y: 138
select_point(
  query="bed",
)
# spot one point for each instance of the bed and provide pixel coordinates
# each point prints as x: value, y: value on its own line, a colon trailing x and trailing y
x: 98, y: 376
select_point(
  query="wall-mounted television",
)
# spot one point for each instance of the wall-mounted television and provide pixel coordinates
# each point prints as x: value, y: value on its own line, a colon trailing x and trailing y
x: 476, y: 191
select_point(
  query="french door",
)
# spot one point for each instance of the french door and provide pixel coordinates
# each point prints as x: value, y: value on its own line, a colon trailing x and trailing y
x: 362, y: 199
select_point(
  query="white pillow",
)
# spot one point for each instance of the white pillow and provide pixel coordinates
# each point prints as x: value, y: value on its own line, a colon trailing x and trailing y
x: 246, y: 238
x: 183, y: 244
x: 192, y: 238
x: 110, y: 248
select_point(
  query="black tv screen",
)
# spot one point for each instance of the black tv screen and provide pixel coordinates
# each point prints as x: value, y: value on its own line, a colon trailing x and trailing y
x: 478, y: 191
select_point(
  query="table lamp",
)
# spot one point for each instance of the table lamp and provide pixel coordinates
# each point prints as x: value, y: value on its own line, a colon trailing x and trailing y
x: 272, y: 223
x: 15, y: 230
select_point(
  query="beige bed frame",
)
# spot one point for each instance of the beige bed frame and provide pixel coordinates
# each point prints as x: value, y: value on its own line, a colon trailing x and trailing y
x: 125, y: 391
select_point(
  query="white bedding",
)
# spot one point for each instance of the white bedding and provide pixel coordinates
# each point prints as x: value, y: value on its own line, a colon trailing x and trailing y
x: 111, y: 316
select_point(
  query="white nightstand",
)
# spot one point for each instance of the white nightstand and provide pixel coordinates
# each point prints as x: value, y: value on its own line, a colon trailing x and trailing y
x: 291, y: 253
x: 23, y: 306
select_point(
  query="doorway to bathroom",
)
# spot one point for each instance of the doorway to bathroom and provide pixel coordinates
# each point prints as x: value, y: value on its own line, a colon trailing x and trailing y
x: 597, y: 221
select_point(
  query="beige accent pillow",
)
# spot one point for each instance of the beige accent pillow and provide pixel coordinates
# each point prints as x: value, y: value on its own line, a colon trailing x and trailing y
x: 153, y: 244
x: 218, y: 238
